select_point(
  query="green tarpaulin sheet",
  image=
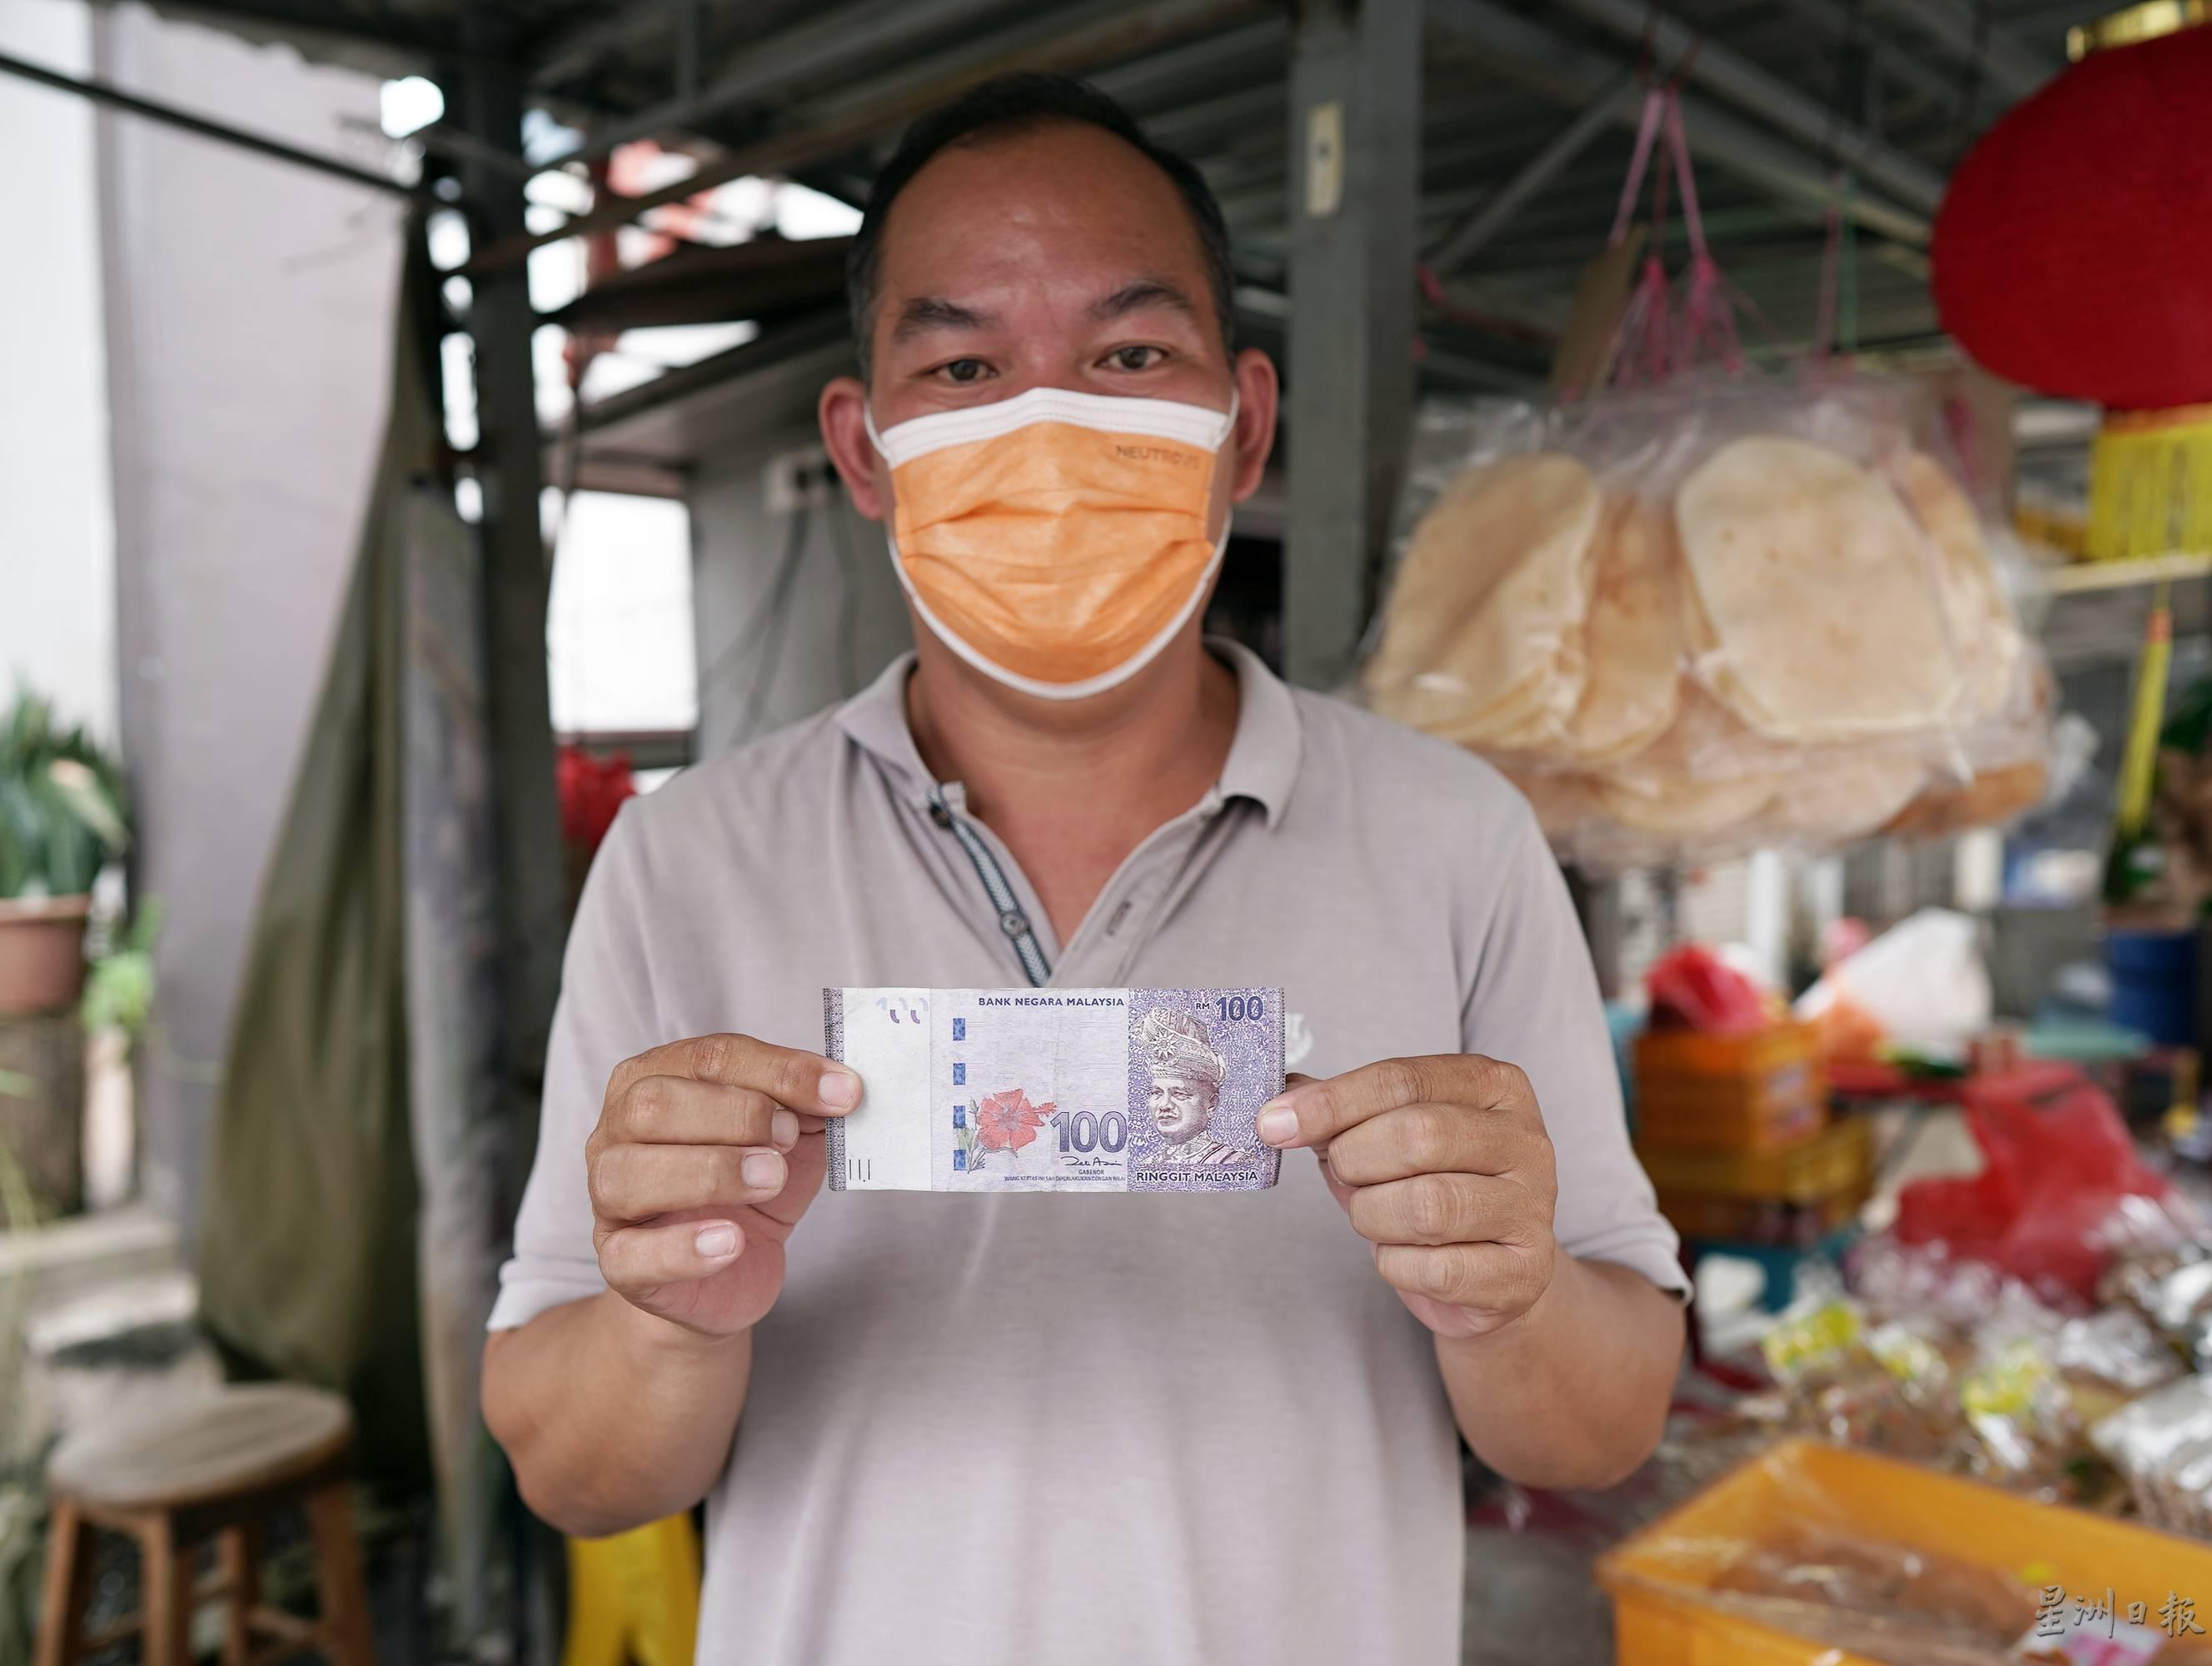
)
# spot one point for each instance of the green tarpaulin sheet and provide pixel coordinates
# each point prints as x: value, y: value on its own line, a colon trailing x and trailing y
x: 307, y: 1249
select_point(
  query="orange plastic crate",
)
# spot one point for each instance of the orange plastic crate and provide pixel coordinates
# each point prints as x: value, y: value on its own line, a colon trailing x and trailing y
x: 1694, y: 1053
x: 1699, y: 1092
x: 1656, y: 1579
x: 1838, y: 1159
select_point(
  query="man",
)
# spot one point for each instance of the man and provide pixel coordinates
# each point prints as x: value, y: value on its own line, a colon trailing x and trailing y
x: 1187, y: 1078
x: 960, y: 1429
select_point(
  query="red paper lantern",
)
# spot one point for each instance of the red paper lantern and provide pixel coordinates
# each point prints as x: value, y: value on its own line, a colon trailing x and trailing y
x: 2073, y: 252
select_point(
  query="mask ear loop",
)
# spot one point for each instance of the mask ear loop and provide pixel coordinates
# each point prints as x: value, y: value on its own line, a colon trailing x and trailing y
x: 1229, y: 510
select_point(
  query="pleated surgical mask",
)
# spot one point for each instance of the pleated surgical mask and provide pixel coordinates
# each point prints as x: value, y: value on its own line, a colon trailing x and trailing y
x: 1056, y: 540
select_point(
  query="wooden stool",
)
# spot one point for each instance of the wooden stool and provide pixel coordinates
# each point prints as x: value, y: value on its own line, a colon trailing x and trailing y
x: 211, y: 1466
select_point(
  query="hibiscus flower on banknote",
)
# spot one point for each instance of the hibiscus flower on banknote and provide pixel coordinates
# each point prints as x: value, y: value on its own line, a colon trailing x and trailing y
x: 1003, y: 1121
x: 1007, y: 1122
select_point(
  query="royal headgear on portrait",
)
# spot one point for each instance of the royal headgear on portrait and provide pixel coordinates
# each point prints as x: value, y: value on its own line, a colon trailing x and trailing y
x: 1179, y: 1044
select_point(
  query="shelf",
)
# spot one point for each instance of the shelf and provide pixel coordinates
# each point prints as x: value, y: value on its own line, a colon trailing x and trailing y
x: 2076, y: 577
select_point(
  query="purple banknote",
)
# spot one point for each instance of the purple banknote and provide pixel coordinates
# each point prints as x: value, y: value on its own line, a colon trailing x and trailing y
x: 1055, y: 1089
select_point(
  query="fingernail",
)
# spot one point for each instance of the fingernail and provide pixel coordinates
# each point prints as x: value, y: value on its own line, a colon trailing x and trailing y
x: 841, y: 1089
x: 716, y: 1243
x: 783, y: 1129
x: 1278, y: 1125
x: 762, y: 1170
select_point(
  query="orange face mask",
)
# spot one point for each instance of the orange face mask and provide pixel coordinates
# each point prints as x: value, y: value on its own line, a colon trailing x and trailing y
x: 1056, y: 540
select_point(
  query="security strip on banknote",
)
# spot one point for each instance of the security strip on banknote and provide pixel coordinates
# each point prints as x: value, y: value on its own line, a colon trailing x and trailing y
x: 1055, y: 1089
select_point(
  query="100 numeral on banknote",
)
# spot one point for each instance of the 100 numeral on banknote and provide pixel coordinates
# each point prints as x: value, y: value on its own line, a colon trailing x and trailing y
x: 1055, y: 1089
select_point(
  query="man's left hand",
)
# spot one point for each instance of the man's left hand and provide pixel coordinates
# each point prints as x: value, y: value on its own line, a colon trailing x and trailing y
x: 1443, y: 1164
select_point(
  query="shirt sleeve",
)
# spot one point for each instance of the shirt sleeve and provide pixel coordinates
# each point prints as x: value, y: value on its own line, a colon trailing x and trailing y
x: 604, y: 1015
x: 1535, y: 1003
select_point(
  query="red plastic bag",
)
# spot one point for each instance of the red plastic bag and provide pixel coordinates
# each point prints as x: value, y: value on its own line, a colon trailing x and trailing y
x: 591, y: 792
x: 2056, y: 1167
x: 1692, y: 988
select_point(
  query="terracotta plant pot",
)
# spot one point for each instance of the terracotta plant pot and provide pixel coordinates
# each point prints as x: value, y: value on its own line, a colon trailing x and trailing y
x: 42, y: 952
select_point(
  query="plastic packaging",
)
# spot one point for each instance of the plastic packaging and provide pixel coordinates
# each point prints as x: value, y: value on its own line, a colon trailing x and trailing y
x: 2023, y: 1415
x: 2055, y: 1169
x: 1954, y: 1364
x: 2162, y: 1444
x: 1923, y: 982
x: 1691, y: 987
x: 1840, y: 1588
x: 1721, y: 613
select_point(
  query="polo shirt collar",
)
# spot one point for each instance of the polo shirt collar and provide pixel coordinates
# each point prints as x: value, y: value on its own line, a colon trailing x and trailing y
x: 1263, y: 756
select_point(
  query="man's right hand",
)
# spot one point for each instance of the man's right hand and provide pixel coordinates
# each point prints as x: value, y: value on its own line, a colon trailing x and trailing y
x: 707, y: 1154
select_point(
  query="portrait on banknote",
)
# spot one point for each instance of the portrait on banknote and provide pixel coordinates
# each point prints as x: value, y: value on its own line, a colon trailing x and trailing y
x: 1187, y: 1072
x: 1200, y: 1064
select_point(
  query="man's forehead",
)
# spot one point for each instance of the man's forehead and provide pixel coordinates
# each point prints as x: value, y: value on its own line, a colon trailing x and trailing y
x: 1066, y: 204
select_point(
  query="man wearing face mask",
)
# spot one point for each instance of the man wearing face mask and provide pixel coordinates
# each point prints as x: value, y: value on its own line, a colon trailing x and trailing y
x: 986, y: 1429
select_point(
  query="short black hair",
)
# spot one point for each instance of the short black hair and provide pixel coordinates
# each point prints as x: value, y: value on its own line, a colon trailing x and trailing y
x: 1007, y: 104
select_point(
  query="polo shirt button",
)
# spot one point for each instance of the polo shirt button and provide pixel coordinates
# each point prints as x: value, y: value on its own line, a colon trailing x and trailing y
x: 1013, y: 923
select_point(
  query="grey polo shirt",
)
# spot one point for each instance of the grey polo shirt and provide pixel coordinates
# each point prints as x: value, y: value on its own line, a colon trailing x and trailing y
x: 1168, y: 1429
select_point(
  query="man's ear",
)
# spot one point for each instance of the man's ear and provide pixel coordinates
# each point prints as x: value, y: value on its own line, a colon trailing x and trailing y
x: 842, y: 413
x: 1258, y: 393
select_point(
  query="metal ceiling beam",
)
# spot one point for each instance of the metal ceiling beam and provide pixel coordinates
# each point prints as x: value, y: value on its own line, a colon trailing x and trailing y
x: 99, y: 92
x: 1574, y: 74
x: 1179, y: 126
x: 1555, y: 257
x: 2016, y: 69
x: 819, y: 49
x: 1744, y: 84
x: 1836, y: 20
x: 1464, y: 241
x: 1444, y: 365
x: 572, y: 50
x: 826, y: 332
x: 326, y: 33
x: 1101, y: 31
x: 1204, y: 61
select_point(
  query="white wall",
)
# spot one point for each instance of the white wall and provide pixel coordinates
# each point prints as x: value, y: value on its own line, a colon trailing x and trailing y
x: 736, y: 547
x: 57, y: 542
x: 249, y: 307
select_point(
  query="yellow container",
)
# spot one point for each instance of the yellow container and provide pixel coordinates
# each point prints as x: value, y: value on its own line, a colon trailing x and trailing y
x: 2151, y: 484
x: 1839, y: 1159
x: 1655, y: 1579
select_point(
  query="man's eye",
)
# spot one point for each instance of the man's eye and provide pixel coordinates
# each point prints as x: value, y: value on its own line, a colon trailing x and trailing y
x: 966, y: 370
x: 1135, y: 358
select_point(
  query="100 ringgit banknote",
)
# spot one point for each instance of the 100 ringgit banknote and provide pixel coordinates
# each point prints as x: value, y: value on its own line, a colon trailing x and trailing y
x: 1055, y: 1089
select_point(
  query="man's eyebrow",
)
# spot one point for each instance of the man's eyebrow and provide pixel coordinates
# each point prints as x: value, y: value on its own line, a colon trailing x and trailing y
x: 1135, y: 297
x: 926, y: 312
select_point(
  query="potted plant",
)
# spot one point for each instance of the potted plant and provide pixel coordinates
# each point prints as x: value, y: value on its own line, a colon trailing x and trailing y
x: 62, y: 820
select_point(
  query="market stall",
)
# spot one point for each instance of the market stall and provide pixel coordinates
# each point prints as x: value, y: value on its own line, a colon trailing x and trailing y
x: 1703, y: 600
